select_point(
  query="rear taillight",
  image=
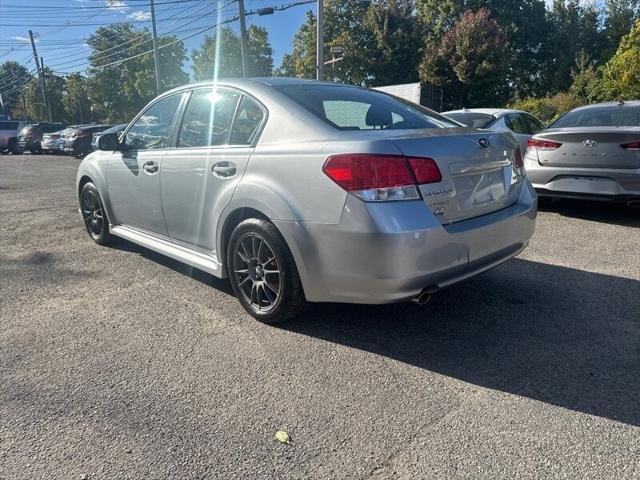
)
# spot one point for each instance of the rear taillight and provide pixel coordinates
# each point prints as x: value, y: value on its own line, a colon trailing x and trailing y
x: 634, y: 146
x: 540, y: 144
x: 82, y: 135
x: 517, y: 157
x: 379, y: 178
x: 55, y: 137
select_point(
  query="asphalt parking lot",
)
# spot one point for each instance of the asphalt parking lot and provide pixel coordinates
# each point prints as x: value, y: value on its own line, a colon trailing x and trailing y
x: 118, y: 363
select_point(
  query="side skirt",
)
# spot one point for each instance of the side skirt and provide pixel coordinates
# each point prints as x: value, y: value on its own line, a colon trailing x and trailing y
x: 202, y: 261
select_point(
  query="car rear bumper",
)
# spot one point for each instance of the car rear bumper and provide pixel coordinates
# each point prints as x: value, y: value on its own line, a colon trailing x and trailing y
x: 390, y: 252
x: 573, y: 182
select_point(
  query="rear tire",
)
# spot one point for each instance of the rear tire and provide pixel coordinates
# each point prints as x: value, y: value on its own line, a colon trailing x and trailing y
x: 13, y: 144
x: 263, y: 272
x: 93, y: 214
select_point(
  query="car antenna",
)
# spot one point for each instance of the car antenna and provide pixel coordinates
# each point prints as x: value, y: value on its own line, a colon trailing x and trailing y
x: 620, y: 102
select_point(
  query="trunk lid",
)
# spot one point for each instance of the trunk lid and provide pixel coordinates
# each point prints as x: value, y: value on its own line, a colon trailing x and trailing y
x: 478, y: 171
x: 590, y: 147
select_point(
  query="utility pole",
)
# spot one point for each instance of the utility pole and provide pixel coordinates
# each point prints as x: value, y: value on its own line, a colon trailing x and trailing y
x: 320, y: 42
x: 243, y: 39
x: 44, y: 83
x: 155, y: 46
x: 40, y: 71
x: 24, y: 104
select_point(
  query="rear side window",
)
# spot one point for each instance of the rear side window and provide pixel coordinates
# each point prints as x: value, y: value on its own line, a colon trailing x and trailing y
x: 534, y: 124
x: 351, y: 108
x: 607, y: 116
x: 207, y: 118
x: 247, y: 122
x: 8, y: 125
x: 153, y: 127
x: 516, y: 123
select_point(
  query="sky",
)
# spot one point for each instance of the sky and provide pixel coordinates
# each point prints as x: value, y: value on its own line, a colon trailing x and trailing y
x: 61, y: 27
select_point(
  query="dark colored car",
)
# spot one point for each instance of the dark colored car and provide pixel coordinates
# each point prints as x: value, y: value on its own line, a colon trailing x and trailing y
x: 78, y: 141
x: 30, y: 136
x: 96, y: 136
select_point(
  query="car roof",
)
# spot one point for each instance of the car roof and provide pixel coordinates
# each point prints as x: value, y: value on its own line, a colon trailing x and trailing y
x: 495, y: 112
x: 630, y: 103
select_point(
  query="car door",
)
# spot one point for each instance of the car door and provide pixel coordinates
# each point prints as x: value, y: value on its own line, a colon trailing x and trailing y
x: 133, y: 176
x: 214, y: 141
x: 520, y: 129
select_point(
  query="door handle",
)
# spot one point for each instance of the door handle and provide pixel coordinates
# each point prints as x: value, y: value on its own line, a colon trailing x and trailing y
x: 224, y: 169
x: 150, y: 167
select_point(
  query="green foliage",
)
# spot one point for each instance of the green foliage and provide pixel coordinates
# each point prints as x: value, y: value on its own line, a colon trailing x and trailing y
x: 548, y: 108
x: 621, y: 74
x: 13, y: 78
x: 119, y: 90
x: 470, y: 62
x: 219, y: 55
x: 75, y: 100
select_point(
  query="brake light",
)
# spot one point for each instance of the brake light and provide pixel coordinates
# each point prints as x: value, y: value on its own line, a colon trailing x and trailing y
x: 633, y: 146
x: 540, y: 144
x: 378, y: 178
x: 517, y: 157
x: 55, y: 137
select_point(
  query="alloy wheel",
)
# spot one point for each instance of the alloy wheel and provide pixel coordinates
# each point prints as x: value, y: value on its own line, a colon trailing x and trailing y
x: 92, y: 213
x: 257, y: 273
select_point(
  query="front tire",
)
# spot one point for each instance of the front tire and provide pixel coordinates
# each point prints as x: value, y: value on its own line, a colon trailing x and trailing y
x: 263, y: 272
x: 93, y: 214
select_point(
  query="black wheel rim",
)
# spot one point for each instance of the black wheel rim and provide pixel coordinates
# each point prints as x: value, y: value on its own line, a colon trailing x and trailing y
x: 92, y: 213
x: 257, y: 273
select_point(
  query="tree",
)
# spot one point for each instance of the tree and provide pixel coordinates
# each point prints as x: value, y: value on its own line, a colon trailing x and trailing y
x: 76, y: 99
x: 220, y: 55
x: 36, y: 110
x: 438, y: 16
x: 621, y: 74
x: 397, y: 39
x: 345, y: 27
x: 470, y: 62
x: 13, y: 78
x: 121, y: 76
x: 620, y: 16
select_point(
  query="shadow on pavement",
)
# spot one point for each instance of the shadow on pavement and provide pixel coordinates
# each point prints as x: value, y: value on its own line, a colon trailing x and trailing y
x: 562, y: 336
x: 605, y: 212
x: 179, y: 267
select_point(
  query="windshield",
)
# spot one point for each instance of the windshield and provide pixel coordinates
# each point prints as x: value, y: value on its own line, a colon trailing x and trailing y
x: 607, y: 116
x: 351, y: 108
x: 472, y: 119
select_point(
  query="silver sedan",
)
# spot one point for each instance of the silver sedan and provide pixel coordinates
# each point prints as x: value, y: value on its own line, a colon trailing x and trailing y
x: 303, y: 191
x: 590, y: 152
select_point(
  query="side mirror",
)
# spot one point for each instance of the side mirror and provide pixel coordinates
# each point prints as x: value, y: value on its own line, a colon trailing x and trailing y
x: 109, y: 142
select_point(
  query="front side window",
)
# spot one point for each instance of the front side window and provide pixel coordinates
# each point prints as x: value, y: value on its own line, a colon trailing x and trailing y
x: 351, y: 108
x: 153, y: 128
x: 207, y: 118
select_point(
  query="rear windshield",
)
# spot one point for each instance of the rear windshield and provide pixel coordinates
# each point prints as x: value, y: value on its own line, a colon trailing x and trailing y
x: 609, y: 116
x: 472, y: 119
x: 8, y: 125
x: 351, y: 108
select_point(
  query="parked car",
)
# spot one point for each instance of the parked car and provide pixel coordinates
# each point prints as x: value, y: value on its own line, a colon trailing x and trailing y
x: 9, y: 135
x: 521, y: 124
x: 30, y: 137
x: 309, y: 191
x: 589, y: 152
x: 52, y: 142
x: 96, y: 136
x: 77, y: 141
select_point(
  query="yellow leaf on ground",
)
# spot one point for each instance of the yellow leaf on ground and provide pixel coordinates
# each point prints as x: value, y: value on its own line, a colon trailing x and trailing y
x: 283, y: 437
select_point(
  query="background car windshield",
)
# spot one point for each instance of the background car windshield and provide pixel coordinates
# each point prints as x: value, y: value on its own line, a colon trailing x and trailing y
x: 361, y: 109
x: 472, y: 119
x: 609, y: 116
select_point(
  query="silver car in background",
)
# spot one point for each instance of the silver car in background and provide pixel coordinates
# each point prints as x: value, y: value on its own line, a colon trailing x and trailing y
x: 590, y: 152
x: 522, y: 125
x: 9, y: 135
x: 309, y: 191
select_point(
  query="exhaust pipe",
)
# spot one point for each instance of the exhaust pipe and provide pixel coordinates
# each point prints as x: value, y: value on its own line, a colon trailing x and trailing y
x: 422, y: 298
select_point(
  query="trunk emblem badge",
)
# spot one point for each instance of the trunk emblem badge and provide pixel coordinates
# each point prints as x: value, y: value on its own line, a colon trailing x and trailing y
x: 590, y: 143
x: 483, y: 142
